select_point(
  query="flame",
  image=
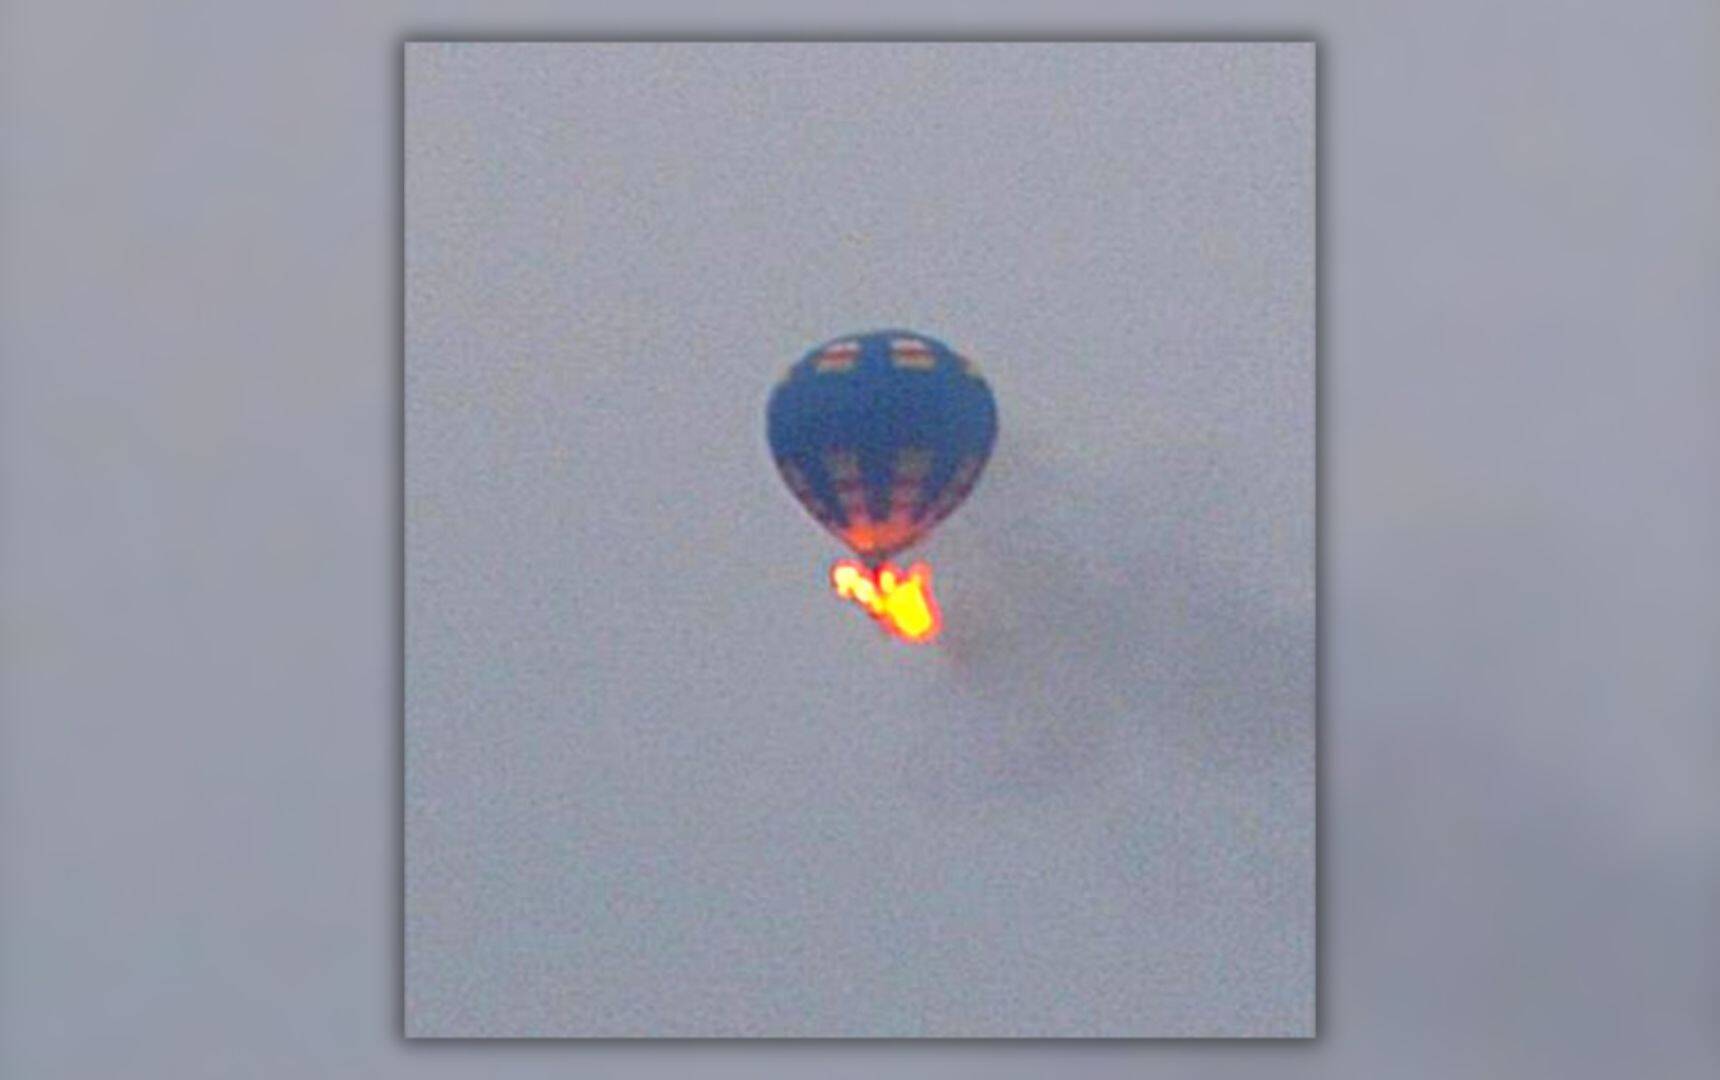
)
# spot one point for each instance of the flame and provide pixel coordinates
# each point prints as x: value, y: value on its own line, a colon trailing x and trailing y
x: 902, y: 604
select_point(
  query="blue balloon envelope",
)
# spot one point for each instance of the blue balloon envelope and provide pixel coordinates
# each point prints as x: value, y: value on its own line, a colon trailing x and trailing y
x: 881, y: 436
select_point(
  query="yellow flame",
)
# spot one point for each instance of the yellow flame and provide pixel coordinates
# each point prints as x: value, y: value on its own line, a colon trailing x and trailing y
x: 902, y: 605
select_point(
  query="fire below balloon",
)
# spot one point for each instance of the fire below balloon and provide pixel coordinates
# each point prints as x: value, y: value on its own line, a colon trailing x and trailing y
x: 902, y: 603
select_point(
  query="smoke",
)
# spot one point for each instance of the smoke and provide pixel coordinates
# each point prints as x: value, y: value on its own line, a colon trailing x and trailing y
x: 1094, y: 607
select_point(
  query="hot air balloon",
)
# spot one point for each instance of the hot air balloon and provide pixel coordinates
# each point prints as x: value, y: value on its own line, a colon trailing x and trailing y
x: 881, y: 436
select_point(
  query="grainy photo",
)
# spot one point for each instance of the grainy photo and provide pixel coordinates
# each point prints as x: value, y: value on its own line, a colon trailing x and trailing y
x: 859, y: 540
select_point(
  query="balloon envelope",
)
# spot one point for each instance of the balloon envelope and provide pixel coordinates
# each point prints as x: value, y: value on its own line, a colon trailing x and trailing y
x: 881, y: 436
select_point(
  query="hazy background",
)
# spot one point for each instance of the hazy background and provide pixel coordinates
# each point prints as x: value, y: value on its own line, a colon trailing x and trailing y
x: 658, y: 782
x: 199, y: 378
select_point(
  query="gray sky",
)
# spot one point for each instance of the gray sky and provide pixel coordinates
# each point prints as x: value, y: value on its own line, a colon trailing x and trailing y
x: 658, y: 781
x: 200, y: 547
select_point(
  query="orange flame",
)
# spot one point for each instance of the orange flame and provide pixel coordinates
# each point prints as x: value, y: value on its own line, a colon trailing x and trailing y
x: 903, y: 605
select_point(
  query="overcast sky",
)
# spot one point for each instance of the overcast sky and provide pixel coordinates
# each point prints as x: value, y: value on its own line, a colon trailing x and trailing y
x: 199, y: 554
x: 659, y: 782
